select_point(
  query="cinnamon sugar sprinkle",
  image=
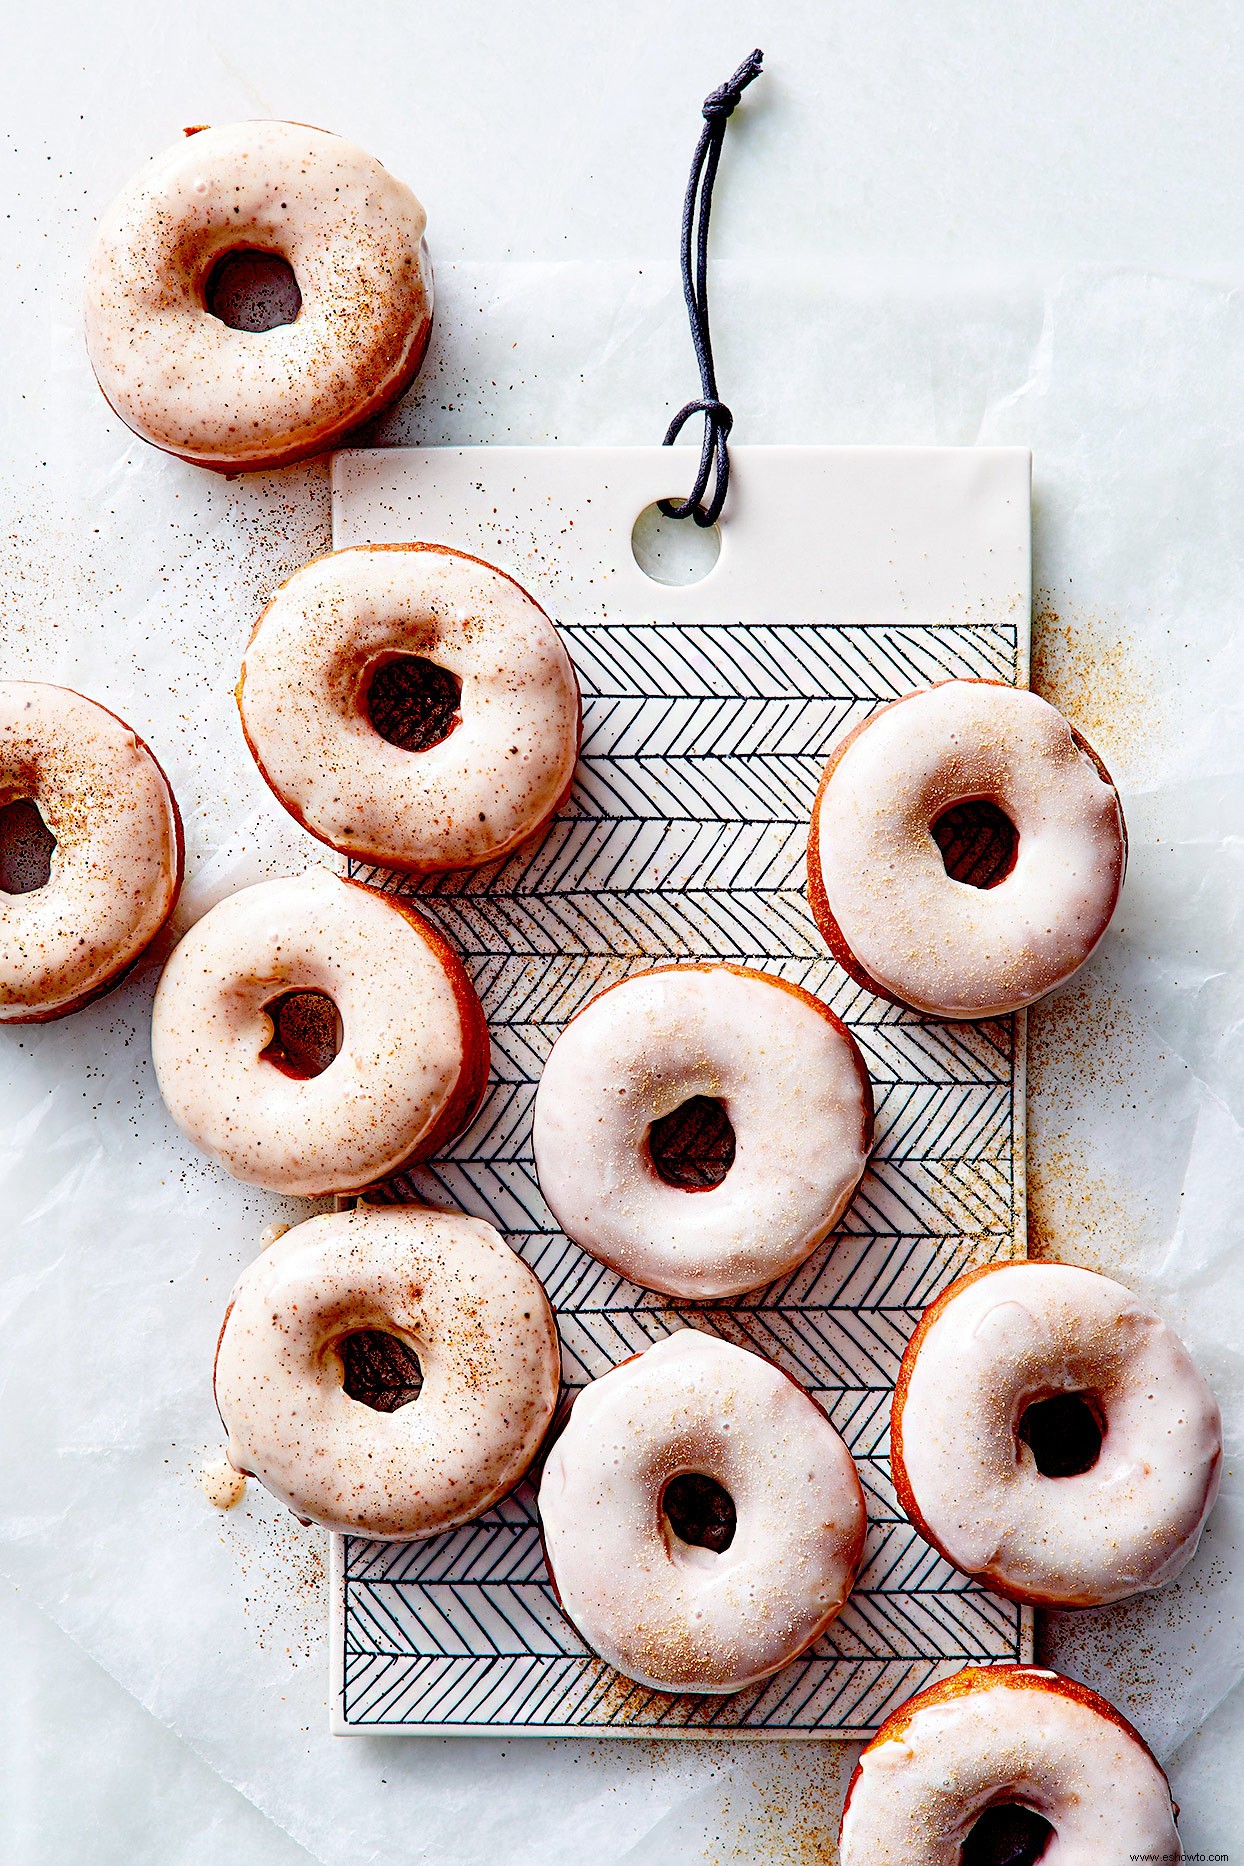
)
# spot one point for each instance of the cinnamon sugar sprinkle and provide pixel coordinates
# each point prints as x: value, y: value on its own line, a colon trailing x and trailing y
x: 1092, y: 669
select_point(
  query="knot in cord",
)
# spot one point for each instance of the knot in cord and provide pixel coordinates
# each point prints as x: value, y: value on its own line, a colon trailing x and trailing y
x: 721, y: 102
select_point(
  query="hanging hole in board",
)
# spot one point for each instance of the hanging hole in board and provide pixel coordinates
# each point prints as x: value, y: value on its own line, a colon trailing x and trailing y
x: 673, y: 550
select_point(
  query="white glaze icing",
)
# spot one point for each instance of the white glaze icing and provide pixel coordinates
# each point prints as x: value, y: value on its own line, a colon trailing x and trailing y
x: 413, y: 1037
x: 116, y: 867
x: 938, y: 944
x: 669, y: 1614
x: 794, y: 1088
x: 1020, y: 1735
x: 452, y: 1290
x: 351, y: 233
x: 1023, y: 1332
x: 223, y: 1487
x: 483, y: 789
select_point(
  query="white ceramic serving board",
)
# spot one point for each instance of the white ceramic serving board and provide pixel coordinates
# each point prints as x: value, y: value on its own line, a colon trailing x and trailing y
x: 847, y: 576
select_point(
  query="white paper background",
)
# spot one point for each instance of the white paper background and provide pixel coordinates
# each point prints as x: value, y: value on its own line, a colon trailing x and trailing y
x: 939, y: 221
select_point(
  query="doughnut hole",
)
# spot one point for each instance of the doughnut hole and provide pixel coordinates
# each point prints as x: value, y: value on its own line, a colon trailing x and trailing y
x: 306, y: 1033
x: 412, y: 702
x: 1064, y: 1433
x: 978, y: 841
x: 693, y: 1147
x: 699, y: 1511
x: 26, y: 845
x: 379, y: 1370
x: 252, y: 291
x: 1007, y: 1835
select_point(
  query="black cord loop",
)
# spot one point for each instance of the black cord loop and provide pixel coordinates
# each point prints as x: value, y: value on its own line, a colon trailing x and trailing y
x: 714, y: 454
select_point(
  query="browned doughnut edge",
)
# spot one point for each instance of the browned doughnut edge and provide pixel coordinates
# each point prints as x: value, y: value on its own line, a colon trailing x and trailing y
x: 983, y: 1678
x: 898, y: 1468
x: 818, y: 900
x: 360, y: 853
x: 121, y: 972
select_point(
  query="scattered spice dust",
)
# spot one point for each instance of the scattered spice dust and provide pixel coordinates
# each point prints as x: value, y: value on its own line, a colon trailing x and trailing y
x: 776, y: 1802
x: 1077, y: 1213
x: 1144, y: 1651
x: 787, y: 1813
x: 1086, y: 662
x: 282, y: 1569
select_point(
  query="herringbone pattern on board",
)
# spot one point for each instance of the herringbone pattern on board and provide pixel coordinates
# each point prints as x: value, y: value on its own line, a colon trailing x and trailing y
x: 685, y: 838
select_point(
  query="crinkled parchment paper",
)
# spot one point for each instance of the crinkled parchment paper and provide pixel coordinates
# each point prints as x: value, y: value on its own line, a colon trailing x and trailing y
x: 137, y: 579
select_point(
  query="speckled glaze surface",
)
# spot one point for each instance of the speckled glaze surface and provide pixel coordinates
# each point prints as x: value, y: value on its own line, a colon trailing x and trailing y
x: 1007, y: 1734
x: 793, y: 1085
x: 673, y: 1615
x: 1006, y: 1336
x: 877, y: 883
x: 498, y: 775
x: 117, y: 865
x: 453, y: 1291
x: 352, y: 235
x: 413, y: 1059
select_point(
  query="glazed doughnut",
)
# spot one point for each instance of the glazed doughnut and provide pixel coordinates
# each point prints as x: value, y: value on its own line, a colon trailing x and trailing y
x: 1053, y: 1437
x: 748, y: 1579
x: 230, y: 399
x: 409, y: 1068
x: 387, y: 1371
x: 91, y: 851
x: 469, y: 761
x: 764, y: 1065
x: 1004, y: 1766
x: 881, y: 893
